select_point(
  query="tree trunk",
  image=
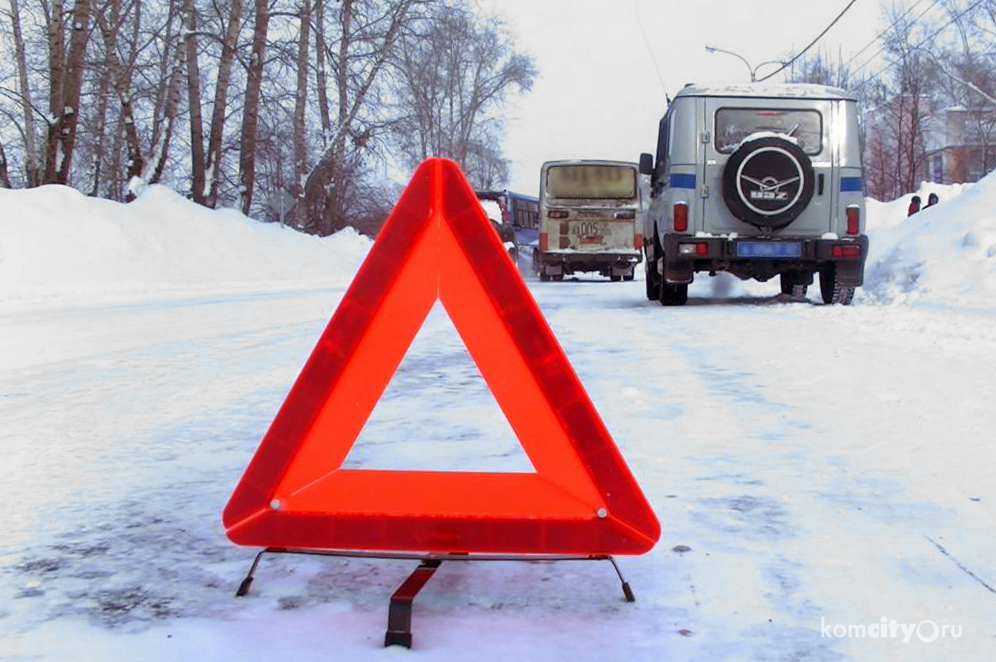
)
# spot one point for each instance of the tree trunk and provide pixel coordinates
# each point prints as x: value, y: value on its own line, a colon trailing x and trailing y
x: 31, y: 150
x: 321, y: 210
x: 250, y: 116
x: 62, y: 136
x: 108, y: 19
x: 164, y: 135
x: 221, y: 101
x: 136, y: 159
x: 167, y: 97
x: 115, y: 167
x: 330, y: 216
x: 198, y: 170
x: 56, y: 78
x: 321, y: 54
x: 165, y: 71
x: 99, y: 131
x: 4, y: 175
x: 301, y: 101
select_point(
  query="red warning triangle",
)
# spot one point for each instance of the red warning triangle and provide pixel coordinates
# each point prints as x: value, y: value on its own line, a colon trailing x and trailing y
x: 438, y: 244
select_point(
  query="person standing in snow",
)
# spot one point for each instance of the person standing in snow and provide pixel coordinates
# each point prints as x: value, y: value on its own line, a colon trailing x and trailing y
x: 931, y: 200
x: 914, y: 206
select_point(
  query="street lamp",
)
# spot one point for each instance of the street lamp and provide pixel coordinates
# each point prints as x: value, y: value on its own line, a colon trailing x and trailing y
x: 752, y: 70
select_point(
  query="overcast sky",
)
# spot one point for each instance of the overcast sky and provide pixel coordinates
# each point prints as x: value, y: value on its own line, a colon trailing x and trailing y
x: 598, y: 93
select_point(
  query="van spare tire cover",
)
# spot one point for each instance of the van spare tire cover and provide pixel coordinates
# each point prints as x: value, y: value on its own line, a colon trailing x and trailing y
x: 768, y: 181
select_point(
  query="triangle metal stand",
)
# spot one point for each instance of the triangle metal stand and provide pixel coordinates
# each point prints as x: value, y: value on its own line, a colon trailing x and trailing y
x: 399, y: 616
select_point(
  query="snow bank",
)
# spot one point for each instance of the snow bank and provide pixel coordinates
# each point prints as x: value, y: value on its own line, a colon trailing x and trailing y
x: 943, y: 255
x: 57, y: 244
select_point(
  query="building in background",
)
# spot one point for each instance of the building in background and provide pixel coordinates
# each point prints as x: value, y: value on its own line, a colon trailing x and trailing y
x: 907, y: 142
x: 960, y: 145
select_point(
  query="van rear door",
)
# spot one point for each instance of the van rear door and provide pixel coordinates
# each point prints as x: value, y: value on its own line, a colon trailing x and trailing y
x: 727, y: 122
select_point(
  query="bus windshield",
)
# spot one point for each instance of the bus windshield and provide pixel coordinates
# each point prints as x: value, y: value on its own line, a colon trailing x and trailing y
x: 591, y: 181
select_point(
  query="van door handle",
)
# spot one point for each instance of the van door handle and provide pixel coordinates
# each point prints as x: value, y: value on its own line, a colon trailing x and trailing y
x: 820, y: 179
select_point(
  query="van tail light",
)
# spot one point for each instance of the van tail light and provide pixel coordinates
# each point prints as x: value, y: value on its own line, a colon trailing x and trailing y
x: 853, y: 219
x: 681, y: 217
x: 847, y: 251
x: 638, y: 242
x: 699, y: 248
x: 625, y: 215
x: 544, y: 242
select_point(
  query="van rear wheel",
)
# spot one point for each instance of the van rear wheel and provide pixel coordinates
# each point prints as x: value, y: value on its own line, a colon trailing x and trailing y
x: 674, y: 295
x: 832, y: 291
x: 652, y: 280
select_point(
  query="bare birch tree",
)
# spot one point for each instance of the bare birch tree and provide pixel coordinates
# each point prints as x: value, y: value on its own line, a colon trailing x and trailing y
x: 821, y: 69
x: 898, y: 102
x: 31, y: 168
x: 171, y: 68
x: 455, y: 72
x: 314, y: 107
x: 66, y: 65
x: 250, y: 114
x: 368, y: 33
x: 4, y: 174
x: 321, y: 78
x: 119, y: 24
x: 220, y: 111
x: 198, y: 169
x: 301, y: 100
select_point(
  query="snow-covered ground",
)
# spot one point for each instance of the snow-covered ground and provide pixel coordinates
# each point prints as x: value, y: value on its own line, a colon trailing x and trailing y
x: 816, y: 469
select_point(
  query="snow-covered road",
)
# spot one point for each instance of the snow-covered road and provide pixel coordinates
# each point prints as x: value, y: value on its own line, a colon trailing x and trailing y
x: 824, y: 467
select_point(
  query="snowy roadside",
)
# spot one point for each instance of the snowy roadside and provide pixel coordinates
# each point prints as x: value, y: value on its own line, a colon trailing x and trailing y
x: 59, y: 248
x: 792, y: 510
x: 822, y: 464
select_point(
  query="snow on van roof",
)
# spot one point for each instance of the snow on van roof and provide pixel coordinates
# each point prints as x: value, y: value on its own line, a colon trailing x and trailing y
x: 766, y: 90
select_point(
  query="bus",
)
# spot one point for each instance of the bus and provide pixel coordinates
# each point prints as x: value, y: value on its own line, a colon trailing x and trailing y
x: 519, y: 218
x: 590, y: 219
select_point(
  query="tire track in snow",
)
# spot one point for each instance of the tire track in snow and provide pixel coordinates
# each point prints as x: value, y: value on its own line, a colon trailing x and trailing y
x: 684, y: 404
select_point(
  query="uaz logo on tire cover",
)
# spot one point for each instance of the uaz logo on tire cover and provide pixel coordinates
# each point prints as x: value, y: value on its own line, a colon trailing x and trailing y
x: 768, y: 195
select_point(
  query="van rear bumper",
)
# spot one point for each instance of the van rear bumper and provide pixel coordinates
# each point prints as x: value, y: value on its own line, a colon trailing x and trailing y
x: 762, y: 258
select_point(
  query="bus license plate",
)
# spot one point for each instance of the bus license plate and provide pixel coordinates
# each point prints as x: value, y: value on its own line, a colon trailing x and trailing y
x: 769, y: 249
x: 589, y: 232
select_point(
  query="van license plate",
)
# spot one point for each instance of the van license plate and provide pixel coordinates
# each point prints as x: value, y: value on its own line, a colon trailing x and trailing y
x: 769, y: 249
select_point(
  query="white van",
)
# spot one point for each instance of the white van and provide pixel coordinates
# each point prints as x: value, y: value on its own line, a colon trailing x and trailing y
x: 590, y: 218
x: 757, y: 180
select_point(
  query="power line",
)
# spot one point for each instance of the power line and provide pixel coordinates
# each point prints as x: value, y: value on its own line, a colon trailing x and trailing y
x: 883, y: 33
x: 812, y: 43
x: 894, y: 24
x: 653, y: 57
x: 929, y: 38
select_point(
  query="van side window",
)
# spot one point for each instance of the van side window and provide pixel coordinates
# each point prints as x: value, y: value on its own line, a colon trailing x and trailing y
x: 735, y: 124
x: 663, y: 137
